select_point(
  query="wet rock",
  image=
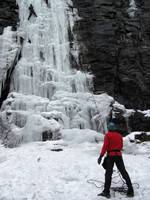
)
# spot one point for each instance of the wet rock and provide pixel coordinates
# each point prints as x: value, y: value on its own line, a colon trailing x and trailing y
x: 8, y: 14
x: 142, y: 137
x: 138, y: 122
x: 116, y: 47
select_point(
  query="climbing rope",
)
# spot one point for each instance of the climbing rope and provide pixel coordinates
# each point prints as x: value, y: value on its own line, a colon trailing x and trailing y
x: 94, y: 182
x: 121, y: 189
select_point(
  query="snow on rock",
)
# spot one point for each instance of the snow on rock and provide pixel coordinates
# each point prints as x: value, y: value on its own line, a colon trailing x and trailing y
x: 136, y: 149
x: 121, y: 108
x: 146, y: 113
x: 132, y: 147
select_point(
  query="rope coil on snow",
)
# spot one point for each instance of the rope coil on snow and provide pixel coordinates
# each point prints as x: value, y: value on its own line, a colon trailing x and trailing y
x: 121, y: 189
x: 93, y: 181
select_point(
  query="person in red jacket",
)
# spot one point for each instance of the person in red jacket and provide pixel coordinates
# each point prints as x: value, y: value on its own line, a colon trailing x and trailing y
x: 113, y: 144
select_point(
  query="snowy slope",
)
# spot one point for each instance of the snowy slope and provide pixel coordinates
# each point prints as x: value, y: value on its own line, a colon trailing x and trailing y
x: 34, y: 172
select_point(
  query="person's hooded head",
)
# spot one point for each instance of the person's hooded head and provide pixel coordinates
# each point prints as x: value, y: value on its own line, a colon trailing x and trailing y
x: 112, y: 126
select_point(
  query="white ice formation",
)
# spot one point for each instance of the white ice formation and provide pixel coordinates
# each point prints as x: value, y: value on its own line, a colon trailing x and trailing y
x: 46, y: 94
x: 8, y: 52
x: 132, y: 8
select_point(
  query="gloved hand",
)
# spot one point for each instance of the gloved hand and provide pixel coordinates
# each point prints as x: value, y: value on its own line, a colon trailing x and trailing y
x: 99, y: 160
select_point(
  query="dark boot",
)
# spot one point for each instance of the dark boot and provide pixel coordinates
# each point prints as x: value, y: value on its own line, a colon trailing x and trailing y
x: 104, y: 194
x: 130, y: 192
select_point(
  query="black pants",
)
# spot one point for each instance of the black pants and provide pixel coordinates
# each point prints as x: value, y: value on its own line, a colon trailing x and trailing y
x: 32, y: 13
x: 109, y: 170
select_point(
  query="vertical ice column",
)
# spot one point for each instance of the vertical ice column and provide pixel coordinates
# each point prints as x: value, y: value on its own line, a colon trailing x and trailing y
x: 132, y: 8
x: 8, y: 50
x: 45, y: 64
x: 46, y: 46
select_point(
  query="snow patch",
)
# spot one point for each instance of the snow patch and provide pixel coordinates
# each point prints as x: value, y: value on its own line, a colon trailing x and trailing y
x: 77, y: 136
x: 146, y: 113
x: 132, y: 9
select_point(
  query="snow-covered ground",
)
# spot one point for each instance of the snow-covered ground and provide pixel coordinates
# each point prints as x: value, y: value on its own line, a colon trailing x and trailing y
x: 34, y: 172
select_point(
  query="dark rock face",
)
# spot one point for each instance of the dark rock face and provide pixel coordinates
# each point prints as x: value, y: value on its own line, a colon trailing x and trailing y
x: 8, y: 14
x: 142, y: 137
x: 138, y: 122
x: 116, y: 46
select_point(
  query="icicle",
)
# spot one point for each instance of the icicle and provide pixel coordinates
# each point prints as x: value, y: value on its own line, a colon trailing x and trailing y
x: 132, y: 8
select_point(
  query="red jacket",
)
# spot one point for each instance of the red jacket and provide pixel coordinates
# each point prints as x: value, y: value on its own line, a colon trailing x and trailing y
x: 113, y: 144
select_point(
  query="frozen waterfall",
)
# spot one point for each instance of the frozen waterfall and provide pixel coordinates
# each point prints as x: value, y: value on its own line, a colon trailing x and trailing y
x: 45, y: 64
x: 46, y: 93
